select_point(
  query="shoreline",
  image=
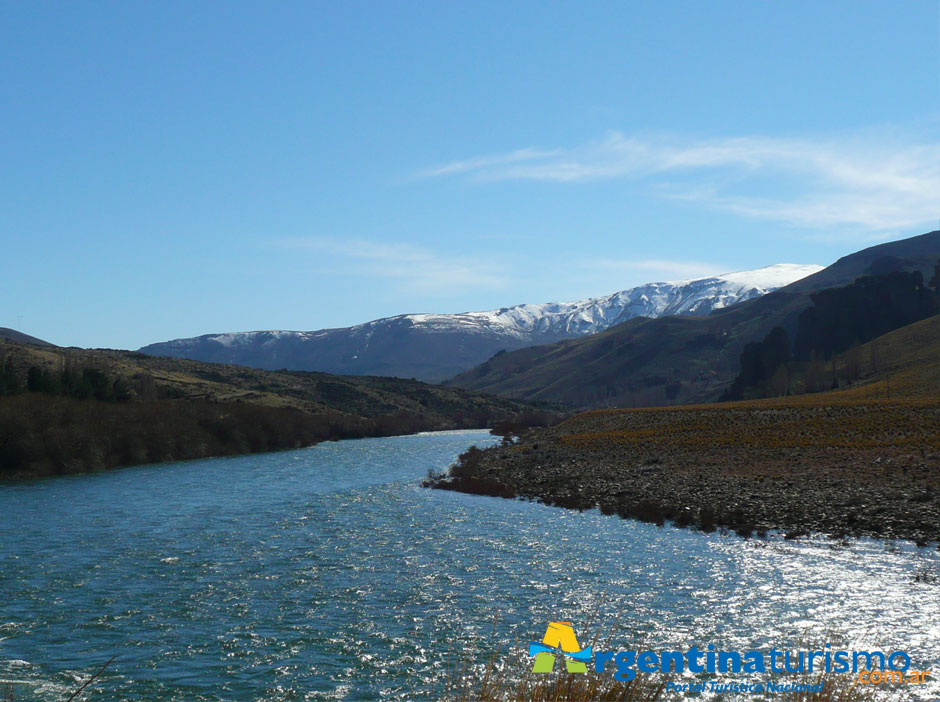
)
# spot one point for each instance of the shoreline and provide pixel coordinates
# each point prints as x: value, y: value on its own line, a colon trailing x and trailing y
x: 47, y: 436
x: 11, y: 479
x: 850, y: 470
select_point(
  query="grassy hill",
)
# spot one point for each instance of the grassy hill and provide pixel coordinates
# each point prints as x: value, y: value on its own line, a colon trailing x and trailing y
x: 13, y: 335
x: 678, y: 360
x: 860, y: 460
x: 904, y: 363
x: 68, y: 410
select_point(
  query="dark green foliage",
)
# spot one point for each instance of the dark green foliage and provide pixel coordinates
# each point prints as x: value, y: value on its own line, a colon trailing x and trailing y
x: 213, y: 375
x: 120, y: 390
x: 9, y: 382
x: 467, y: 463
x: 520, y: 424
x: 839, y: 320
x: 844, y: 317
x: 84, y: 384
x: 98, y: 383
x: 40, y: 380
x: 672, y: 391
x: 332, y: 393
x: 95, y: 409
x: 759, y: 364
x: 47, y: 435
x: 71, y: 384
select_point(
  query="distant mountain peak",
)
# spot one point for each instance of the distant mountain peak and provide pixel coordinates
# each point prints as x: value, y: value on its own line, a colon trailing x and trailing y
x: 588, y: 316
x: 433, y: 346
x: 774, y: 276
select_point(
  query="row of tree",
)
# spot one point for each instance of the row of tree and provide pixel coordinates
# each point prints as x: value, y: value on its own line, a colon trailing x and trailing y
x: 844, y: 317
x: 839, y: 320
x: 80, y: 383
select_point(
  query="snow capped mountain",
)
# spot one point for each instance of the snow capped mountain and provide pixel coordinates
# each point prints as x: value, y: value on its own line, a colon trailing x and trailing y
x: 438, y: 346
x: 698, y: 296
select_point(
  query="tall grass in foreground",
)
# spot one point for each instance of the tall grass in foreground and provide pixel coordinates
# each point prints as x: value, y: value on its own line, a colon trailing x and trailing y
x: 496, y: 686
x: 500, y: 682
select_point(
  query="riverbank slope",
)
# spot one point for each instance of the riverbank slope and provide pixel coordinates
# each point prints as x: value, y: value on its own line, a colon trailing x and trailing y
x: 863, y: 460
x: 67, y: 410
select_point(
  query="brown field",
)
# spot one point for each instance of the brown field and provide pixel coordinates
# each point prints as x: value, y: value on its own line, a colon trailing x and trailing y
x: 861, y: 460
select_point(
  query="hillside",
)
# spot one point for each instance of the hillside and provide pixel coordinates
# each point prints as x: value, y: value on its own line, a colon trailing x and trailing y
x: 680, y: 359
x: 68, y: 410
x: 12, y: 335
x: 862, y: 460
x: 904, y: 363
x: 434, y: 347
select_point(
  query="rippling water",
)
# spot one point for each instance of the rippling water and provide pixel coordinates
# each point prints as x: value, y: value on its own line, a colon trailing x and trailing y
x: 327, y: 573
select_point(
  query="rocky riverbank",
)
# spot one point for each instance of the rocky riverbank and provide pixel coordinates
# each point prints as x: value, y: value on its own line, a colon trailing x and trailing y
x: 854, y: 469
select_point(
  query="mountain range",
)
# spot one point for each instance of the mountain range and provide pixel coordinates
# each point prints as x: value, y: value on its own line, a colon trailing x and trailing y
x: 681, y: 359
x: 435, y: 347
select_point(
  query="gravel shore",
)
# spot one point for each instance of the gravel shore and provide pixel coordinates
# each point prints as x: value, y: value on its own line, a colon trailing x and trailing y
x: 863, y: 469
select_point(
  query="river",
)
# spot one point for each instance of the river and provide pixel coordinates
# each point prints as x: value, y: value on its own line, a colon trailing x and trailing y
x: 328, y: 573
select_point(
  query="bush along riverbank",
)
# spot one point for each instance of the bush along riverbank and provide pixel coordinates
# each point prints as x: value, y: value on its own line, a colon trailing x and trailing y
x: 77, y: 410
x: 803, y: 464
x: 43, y: 435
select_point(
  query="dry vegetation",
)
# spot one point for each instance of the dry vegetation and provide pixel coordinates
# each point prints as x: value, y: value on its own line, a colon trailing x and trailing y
x: 508, y: 678
x: 863, y: 460
x: 177, y: 409
x: 154, y: 377
x: 497, y: 687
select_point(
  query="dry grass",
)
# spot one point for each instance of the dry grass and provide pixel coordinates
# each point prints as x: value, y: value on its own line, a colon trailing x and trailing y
x: 363, y: 396
x: 863, y: 460
x: 603, y: 688
x: 561, y: 688
x: 501, y: 683
x: 895, y: 405
x: 807, y: 422
x: 179, y: 409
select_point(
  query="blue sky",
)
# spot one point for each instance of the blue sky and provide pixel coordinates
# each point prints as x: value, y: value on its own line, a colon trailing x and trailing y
x: 171, y: 169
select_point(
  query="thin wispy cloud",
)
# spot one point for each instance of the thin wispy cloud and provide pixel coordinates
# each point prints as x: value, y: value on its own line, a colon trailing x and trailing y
x: 411, y: 268
x: 860, y: 181
x: 486, y: 162
x: 654, y: 270
x: 420, y: 271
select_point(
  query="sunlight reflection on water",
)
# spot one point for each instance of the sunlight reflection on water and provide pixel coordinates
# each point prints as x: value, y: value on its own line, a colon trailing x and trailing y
x: 327, y: 573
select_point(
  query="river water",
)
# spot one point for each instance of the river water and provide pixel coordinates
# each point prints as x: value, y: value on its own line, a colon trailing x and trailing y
x: 328, y: 573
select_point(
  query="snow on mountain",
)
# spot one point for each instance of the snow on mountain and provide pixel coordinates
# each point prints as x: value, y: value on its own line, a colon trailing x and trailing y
x: 438, y: 346
x: 697, y: 296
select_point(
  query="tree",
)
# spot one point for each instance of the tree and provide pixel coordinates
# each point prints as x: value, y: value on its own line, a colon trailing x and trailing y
x: 853, y: 364
x: 39, y: 380
x: 853, y: 314
x: 780, y: 382
x: 816, y: 375
x: 759, y: 365
x: 774, y: 351
x: 120, y: 390
x: 9, y: 382
x: 99, y: 383
x: 146, y: 387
